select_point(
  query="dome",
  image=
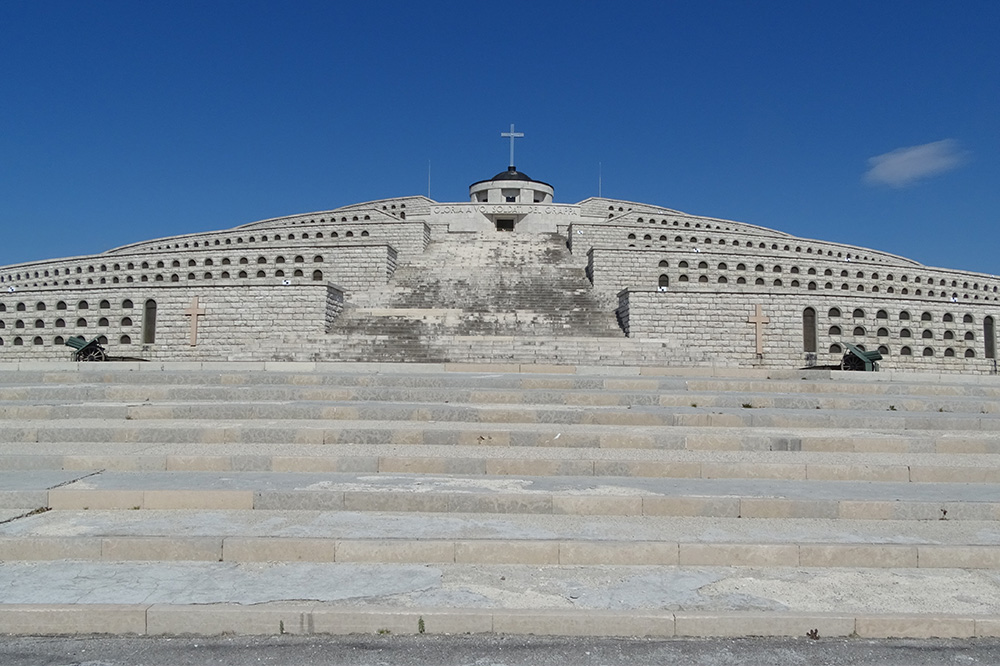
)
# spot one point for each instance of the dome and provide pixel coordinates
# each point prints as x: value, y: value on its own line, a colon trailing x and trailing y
x: 512, y: 174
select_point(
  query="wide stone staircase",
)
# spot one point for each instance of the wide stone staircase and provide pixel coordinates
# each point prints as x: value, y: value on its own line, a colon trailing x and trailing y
x: 450, y: 498
x: 503, y: 286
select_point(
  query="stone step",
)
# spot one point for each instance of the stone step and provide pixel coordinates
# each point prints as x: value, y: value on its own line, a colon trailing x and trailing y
x: 306, y: 497
x: 600, y: 436
x: 564, y: 495
x: 499, y: 375
x: 534, y: 288
x: 381, y: 537
x: 611, y: 394
x: 347, y: 598
x: 326, y: 414
x: 474, y: 460
x: 533, y: 405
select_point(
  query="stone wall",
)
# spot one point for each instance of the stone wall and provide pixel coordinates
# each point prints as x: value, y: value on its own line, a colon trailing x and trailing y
x: 633, y: 235
x: 353, y: 266
x: 234, y: 317
x: 717, y: 324
x: 748, y: 270
x: 683, y: 287
x: 528, y: 218
x: 209, y: 261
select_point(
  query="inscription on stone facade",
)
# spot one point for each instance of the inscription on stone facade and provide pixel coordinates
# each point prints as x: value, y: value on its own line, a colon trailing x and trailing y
x: 522, y: 209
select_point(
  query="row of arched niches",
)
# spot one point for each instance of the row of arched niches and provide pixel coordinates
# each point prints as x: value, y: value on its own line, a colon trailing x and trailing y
x: 202, y: 268
x: 856, y: 279
x: 902, y: 333
x: 342, y: 226
x: 37, y: 324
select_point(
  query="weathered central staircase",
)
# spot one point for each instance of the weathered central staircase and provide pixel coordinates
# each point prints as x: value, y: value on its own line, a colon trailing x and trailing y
x: 503, y: 285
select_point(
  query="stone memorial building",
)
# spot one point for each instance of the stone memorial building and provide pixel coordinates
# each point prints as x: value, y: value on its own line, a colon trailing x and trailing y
x: 509, y: 276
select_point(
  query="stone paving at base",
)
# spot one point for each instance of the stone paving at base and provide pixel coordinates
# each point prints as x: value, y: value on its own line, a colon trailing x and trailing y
x: 264, y: 482
x: 504, y: 587
x: 409, y: 525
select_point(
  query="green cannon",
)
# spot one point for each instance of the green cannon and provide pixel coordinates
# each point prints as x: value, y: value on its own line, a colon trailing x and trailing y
x: 857, y: 359
x: 86, y: 351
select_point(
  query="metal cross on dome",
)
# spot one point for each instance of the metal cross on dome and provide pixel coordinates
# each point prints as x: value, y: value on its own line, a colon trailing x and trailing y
x: 513, y: 135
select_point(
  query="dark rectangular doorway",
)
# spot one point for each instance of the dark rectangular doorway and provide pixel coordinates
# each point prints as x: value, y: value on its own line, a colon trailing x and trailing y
x: 505, y: 224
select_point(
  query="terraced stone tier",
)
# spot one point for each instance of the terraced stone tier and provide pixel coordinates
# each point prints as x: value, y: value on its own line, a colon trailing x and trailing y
x: 359, y: 498
x: 503, y: 285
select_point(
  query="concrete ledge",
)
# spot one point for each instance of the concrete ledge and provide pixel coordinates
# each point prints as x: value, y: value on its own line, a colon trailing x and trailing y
x: 521, y: 553
x: 540, y: 467
x: 311, y: 618
x: 988, y: 627
x: 412, y: 368
x: 761, y: 624
x: 290, y: 366
x: 726, y: 555
x: 401, y: 621
x: 161, y: 548
x: 492, y: 551
x: 582, y: 623
x: 215, y: 499
x: 617, y: 553
x: 269, y: 619
x: 30, y: 365
x: 95, y: 499
x: 915, y: 627
x: 680, y: 506
x: 432, y: 465
x: 395, y: 551
x: 546, y: 368
x: 481, y: 368
x: 49, y: 619
x: 597, y: 505
x: 228, y: 365
x: 966, y: 557
x: 324, y: 464
x: 394, y: 501
x: 859, y: 555
x: 610, y: 368
x: 263, y: 549
x: 780, y: 508
x: 49, y: 548
x: 607, y: 370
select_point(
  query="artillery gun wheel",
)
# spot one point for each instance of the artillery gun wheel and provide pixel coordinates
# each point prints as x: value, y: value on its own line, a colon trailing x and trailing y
x: 92, y: 354
x: 851, y: 363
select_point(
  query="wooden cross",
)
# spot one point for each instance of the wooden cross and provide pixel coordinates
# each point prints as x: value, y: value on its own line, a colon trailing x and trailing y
x: 758, y: 320
x: 194, y: 311
x: 512, y: 134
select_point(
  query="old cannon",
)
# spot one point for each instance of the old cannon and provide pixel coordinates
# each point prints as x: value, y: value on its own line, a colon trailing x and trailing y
x: 857, y: 359
x: 87, y: 351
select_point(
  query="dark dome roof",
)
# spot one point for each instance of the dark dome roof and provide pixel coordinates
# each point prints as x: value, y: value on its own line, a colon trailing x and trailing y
x: 511, y: 174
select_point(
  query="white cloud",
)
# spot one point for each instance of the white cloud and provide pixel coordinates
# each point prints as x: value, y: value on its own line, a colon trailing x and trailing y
x: 904, y: 166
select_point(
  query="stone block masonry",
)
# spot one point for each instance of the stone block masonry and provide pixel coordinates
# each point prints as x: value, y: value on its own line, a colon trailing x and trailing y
x: 158, y: 322
x: 685, y: 289
x: 810, y: 329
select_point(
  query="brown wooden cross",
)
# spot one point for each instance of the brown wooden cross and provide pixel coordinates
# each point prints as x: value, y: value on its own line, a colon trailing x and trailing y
x: 194, y: 311
x: 758, y: 320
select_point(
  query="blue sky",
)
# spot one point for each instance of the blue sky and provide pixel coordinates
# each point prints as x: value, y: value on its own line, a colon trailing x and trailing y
x: 862, y: 122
